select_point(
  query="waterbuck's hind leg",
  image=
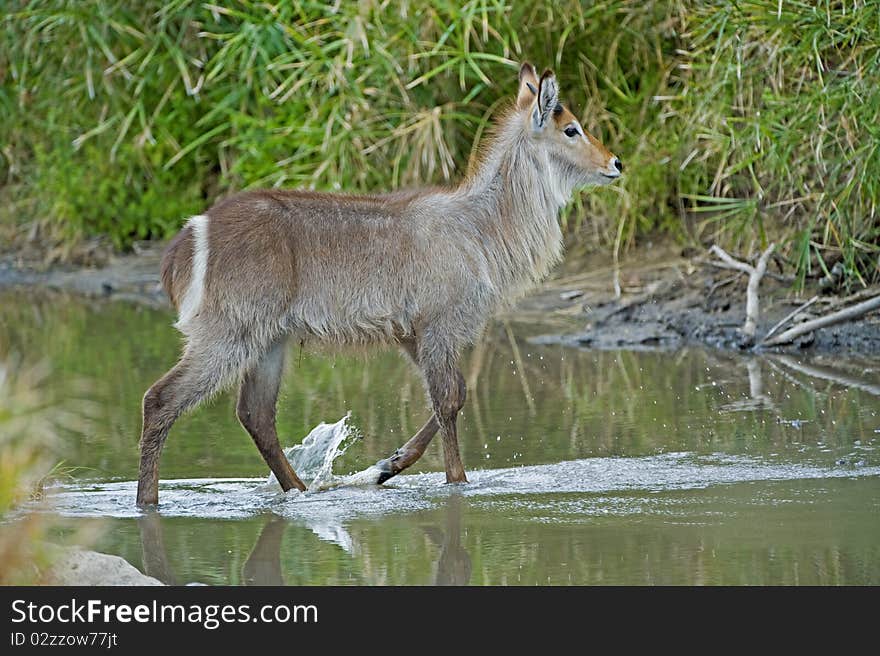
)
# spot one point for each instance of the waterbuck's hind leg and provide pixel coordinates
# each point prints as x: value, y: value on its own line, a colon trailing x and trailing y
x: 257, y: 399
x: 195, y: 377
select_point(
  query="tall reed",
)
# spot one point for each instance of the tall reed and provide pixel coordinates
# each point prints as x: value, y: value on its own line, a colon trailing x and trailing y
x: 735, y: 119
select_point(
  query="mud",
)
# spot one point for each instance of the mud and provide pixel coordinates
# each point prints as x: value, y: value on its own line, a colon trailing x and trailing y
x: 132, y: 277
x: 668, y: 301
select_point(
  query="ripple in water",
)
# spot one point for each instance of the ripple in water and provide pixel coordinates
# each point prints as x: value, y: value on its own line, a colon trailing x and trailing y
x: 332, y: 498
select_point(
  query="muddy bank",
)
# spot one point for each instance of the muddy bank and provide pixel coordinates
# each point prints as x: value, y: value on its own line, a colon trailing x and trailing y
x: 659, y: 299
x: 655, y: 299
x: 133, y: 277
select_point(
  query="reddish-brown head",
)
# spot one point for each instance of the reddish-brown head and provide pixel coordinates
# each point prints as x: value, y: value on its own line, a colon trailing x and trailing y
x: 555, y: 129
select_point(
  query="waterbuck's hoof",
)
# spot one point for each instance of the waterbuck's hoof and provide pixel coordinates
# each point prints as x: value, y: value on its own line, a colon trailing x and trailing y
x: 147, y: 498
x: 387, y: 468
x: 456, y: 479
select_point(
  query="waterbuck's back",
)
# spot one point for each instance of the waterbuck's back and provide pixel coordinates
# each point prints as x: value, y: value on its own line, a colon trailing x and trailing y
x: 339, y: 268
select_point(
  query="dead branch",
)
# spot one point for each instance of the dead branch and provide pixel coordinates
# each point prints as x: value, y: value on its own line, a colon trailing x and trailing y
x: 770, y: 274
x: 834, y: 302
x: 752, y: 291
x: 788, y: 317
x: 722, y: 255
x: 852, y: 312
x: 755, y: 274
x: 721, y: 283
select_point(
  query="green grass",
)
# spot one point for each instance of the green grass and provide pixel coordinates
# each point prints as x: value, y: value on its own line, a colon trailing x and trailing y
x: 739, y: 121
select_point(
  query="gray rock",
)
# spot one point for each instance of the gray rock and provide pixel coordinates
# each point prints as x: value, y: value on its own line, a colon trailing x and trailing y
x: 82, y: 567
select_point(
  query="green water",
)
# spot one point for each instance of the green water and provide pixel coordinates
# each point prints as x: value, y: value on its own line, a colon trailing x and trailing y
x: 693, y: 467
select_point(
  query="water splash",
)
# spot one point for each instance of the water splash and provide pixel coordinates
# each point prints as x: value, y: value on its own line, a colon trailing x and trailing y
x: 314, y: 457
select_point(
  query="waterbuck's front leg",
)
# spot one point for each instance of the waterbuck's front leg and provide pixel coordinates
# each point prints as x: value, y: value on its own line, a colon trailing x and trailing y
x: 415, y: 447
x: 406, y: 455
x: 447, y: 390
x: 257, y: 398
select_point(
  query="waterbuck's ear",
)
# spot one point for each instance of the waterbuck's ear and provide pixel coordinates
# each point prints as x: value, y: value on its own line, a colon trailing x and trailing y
x: 548, y: 100
x: 528, y: 86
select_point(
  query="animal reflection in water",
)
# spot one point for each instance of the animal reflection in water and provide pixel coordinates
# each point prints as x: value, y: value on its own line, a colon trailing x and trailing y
x: 263, y: 565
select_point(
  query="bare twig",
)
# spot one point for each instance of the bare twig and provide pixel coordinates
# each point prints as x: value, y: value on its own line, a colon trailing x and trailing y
x: 617, y: 241
x: 834, y: 302
x: 722, y: 255
x: 770, y: 274
x: 755, y: 274
x: 846, y: 314
x: 752, y: 291
x: 788, y: 317
x: 721, y: 283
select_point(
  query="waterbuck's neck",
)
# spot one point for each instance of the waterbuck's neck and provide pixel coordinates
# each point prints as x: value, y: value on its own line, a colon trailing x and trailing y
x: 514, y: 196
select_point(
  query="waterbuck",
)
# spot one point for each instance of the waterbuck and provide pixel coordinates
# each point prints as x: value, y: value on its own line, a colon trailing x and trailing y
x: 421, y: 270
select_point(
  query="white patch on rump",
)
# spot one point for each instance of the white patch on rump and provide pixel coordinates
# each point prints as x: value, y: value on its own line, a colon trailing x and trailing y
x: 192, y: 300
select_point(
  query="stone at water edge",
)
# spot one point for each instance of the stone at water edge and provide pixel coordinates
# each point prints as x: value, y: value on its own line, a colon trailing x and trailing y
x: 81, y: 567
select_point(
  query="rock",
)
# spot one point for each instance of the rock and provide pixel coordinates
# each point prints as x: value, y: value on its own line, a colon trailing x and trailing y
x: 73, y: 566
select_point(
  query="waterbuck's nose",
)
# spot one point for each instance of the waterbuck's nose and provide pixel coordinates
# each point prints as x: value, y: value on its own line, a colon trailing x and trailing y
x: 618, y: 165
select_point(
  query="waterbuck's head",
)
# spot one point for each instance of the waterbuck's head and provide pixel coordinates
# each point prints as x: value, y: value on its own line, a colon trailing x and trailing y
x: 572, y: 152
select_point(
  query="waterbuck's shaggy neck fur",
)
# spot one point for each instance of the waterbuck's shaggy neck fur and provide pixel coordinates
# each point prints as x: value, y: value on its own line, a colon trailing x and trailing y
x: 514, y: 197
x: 421, y: 269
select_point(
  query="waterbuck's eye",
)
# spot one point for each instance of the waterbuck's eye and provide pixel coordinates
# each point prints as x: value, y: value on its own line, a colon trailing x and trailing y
x: 571, y: 131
